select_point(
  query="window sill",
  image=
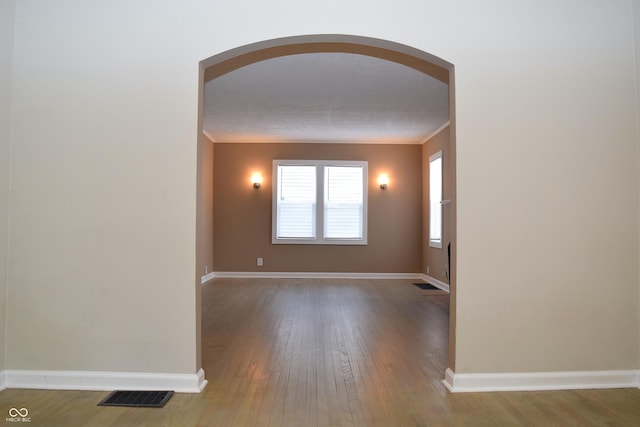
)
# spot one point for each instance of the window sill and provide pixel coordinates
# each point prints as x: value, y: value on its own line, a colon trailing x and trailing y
x: 325, y: 242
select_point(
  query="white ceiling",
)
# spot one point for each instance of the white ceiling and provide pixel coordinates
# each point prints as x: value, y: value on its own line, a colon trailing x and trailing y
x: 325, y: 97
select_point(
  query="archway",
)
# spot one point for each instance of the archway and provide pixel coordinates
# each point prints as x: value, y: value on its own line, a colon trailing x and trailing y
x: 234, y: 59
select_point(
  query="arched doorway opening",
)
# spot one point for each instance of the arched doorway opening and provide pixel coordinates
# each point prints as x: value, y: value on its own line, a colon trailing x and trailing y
x: 235, y: 59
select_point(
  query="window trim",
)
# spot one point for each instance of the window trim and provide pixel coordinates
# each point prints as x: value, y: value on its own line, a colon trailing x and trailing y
x: 320, y: 238
x: 436, y: 243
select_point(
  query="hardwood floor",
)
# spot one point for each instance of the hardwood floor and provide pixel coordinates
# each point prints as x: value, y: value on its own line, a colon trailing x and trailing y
x: 330, y: 352
x: 321, y: 352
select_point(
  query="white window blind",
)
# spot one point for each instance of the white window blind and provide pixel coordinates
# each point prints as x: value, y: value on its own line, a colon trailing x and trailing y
x: 320, y: 202
x: 435, y: 199
x: 343, y: 202
x: 296, y: 215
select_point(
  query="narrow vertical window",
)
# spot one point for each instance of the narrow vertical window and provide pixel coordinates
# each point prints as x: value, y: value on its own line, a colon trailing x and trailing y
x: 435, y: 199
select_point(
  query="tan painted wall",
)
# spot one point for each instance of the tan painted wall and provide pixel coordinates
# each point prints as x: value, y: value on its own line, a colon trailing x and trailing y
x: 436, y: 258
x: 242, y: 215
x: 7, y: 13
x: 104, y: 175
x: 205, y: 255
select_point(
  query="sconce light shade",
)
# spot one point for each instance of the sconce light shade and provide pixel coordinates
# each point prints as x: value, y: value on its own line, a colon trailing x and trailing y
x: 383, y: 181
x: 256, y: 179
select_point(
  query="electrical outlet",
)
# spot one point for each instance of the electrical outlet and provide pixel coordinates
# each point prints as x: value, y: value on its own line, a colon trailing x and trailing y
x: 259, y: 262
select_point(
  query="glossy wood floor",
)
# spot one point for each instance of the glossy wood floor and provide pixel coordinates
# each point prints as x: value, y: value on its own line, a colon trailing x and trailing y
x: 329, y: 353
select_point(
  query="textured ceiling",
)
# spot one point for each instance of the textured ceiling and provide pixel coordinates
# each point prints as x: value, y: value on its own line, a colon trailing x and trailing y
x: 325, y: 97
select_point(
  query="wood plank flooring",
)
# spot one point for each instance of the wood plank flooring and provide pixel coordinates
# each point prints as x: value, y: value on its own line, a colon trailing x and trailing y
x: 324, y: 352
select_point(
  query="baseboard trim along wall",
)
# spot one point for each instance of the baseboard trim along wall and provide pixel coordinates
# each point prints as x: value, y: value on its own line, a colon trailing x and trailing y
x: 312, y: 275
x: 323, y: 275
x: 435, y: 282
x: 531, y: 381
x: 204, y: 279
x: 107, y: 381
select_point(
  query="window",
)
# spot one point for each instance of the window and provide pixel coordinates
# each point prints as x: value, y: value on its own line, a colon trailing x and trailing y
x: 296, y: 202
x: 319, y: 202
x: 435, y: 200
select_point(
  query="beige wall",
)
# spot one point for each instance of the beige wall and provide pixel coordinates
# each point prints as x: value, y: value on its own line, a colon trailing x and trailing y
x: 636, y: 20
x: 242, y: 215
x: 104, y: 175
x: 7, y: 13
x: 435, y: 260
x: 545, y: 130
x: 104, y: 131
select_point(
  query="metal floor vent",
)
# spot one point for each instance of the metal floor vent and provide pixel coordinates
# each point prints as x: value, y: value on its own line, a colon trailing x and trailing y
x: 426, y: 286
x: 138, y: 399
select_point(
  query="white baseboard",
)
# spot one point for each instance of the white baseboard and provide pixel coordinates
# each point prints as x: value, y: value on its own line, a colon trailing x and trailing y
x: 204, y: 279
x: 313, y: 275
x: 88, y: 380
x: 530, y: 381
x: 435, y: 282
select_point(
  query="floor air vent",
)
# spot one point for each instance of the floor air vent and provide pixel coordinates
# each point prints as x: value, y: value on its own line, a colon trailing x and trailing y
x: 425, y: 286
x: 137, y: 399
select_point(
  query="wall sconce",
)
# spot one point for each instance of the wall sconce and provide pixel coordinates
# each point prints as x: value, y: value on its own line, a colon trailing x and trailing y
x: 256, y: 180
x: 383, y: 181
